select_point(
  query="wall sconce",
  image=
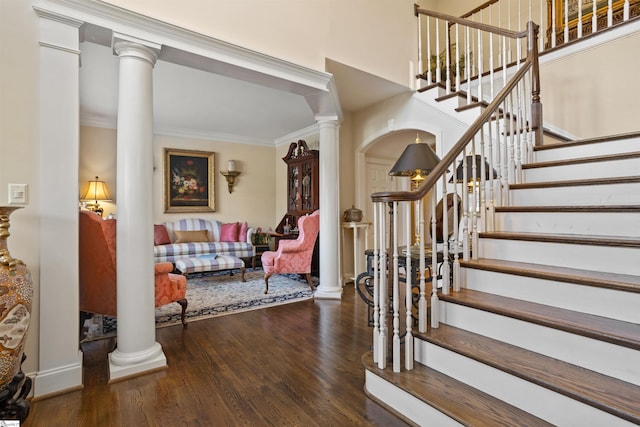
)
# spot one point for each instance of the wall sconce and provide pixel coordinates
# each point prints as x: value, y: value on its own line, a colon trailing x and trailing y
x: 97, y: 191
x: 231, y: 174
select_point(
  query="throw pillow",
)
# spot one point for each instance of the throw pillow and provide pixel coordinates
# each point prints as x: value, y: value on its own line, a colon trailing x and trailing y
x: 191, y: 236
x: 229, y: 232
x: 160, y: 235
x: 242, y: 234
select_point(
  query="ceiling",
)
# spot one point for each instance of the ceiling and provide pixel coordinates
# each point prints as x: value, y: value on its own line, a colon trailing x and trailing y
x: 194, y: 101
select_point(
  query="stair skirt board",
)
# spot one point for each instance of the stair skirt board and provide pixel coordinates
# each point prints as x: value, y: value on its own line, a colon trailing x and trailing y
x: 539, y: 401
x: 611, y: 303
x: 411, y: 408
x: 609, y: 359
x: 610, y: 259
x: 571, y: 151
x: 603, y: 169
x: 592, y: 223
x: 579, y: 195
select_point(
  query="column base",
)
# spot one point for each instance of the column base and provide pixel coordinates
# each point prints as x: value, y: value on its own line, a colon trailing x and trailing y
x: 332, y: 293
x: 125, y: 365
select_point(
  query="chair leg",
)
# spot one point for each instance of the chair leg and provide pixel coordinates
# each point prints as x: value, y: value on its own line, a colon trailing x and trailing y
x: 309, y: 281
x: 242, y: 270
x: 266, y: 282
x: 183, y: 303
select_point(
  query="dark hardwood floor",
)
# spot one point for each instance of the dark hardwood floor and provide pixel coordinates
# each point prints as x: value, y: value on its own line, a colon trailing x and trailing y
x: 292, y: 365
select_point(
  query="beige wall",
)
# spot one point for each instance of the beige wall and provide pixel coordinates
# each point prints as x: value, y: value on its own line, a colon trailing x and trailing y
x: 356, y: 32
x: 19, y: 145
x: 572, y: 102
x: 252, y: 199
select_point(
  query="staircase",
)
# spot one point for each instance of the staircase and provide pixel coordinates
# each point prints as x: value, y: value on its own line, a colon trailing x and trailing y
x: 546, y: 330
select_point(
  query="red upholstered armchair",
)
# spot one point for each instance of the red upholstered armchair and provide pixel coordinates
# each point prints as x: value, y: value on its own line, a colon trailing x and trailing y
x: 294, y: 256
x: 98, y: 270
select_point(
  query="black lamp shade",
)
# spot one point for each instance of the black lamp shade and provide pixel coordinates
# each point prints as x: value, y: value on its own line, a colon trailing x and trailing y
x: 478, y: 174
x: 416, y: 157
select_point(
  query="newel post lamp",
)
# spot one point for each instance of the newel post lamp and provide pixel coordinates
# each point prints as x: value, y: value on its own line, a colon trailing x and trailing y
x: 97, y: 192
x: 416, y: 161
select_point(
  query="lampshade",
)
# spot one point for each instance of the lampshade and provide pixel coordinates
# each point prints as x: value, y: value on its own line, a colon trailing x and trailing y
x: 478, y: 174
x: 416, y: 158
x: 97, y: 190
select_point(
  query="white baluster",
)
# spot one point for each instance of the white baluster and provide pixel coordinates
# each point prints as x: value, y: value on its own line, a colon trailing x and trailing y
x: 446, y: 275
x: 579, y: 19
x: 469, y: 66
x: 396, y: 293
x: 448, y: 57
x: 474, y: 201
x: 408, y: 300
x: 553, y: 24
x: 594, y: 17
x: 435, y: 314
x: 457, y: 59
x: 610, y: 14
x: 422, y: 304
x: 420, y: 64
x: 566, y: 22
x: 465, y: 210
x: 376, y: 283
x: 480, y: 68
x: 504, y: 198
x: 625, y: 15
x: 490, y: 214
x: 429, y: 73
x: 382, y: 341
x: 438, y: 70
x: 456, y: 234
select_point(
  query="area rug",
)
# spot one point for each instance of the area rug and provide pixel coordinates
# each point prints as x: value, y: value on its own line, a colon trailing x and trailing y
x: 211, y: 295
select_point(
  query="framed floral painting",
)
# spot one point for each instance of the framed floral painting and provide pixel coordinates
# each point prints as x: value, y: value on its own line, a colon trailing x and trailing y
x: 188, y: 181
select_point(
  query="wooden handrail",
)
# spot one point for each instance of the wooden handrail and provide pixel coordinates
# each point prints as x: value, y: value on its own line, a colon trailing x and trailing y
x: 471, y: 24
x: 449, y: 158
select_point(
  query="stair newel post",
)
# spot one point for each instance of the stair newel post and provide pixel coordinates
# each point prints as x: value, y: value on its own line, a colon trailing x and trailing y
x: 422, y: 303
x: 435, y: 315
x: 376, y: 281
x: 408, y: 300
x: 384, y: 300
x: 446, y: 276
x: 536, y: 105
x: 396, y: 289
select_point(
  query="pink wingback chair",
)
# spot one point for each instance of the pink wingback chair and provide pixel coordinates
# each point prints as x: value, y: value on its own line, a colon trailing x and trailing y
x: 98, y: 270
x: 294, y: 256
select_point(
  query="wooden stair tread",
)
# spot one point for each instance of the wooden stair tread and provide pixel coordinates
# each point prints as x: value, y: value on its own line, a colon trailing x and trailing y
x: 609, y: 394
x: 576, y: 182
x: 581, y: 160
x: 621, y: 282
x: 578, y: 239
x: 616, y: 332
x: 609, y: 138
x: 584, y: 208
x: 465, y: 404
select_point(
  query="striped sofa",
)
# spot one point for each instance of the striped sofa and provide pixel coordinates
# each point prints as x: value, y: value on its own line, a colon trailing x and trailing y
x: 175, y: 250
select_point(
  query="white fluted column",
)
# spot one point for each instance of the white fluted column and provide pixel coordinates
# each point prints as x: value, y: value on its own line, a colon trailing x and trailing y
x: 330, y: 283
x: 137, y: 350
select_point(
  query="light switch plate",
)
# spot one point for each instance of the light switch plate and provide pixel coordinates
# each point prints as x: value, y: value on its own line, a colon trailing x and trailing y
x: 18, y: 194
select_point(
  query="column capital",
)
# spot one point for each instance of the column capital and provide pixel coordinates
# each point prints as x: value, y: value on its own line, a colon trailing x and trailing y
x: 127, y: 46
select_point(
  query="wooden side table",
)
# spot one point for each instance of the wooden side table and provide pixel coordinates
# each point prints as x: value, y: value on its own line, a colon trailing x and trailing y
x: 356, y: 227
x: 260, y: 249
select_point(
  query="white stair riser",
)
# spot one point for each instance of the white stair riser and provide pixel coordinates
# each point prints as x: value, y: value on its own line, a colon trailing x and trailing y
x: 414, y: 409
x: 591, y: 223
x: 582, y: 195
x: 587, y: 257
x: 588, y: 150
x: 539, y: 401
x: 586, y: 299
x: 608, y: 359
x: 604, y: 169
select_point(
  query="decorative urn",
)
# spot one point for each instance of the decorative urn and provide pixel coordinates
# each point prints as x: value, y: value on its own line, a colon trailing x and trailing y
x: 16, y: 294
x: 352, y: 215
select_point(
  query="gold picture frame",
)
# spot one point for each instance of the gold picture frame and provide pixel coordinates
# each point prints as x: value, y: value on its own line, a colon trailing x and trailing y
x: 602, y: 6
x: 188, y: 181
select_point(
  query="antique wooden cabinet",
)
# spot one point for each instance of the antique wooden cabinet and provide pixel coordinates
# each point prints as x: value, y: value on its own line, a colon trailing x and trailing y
x: 303, y: 191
